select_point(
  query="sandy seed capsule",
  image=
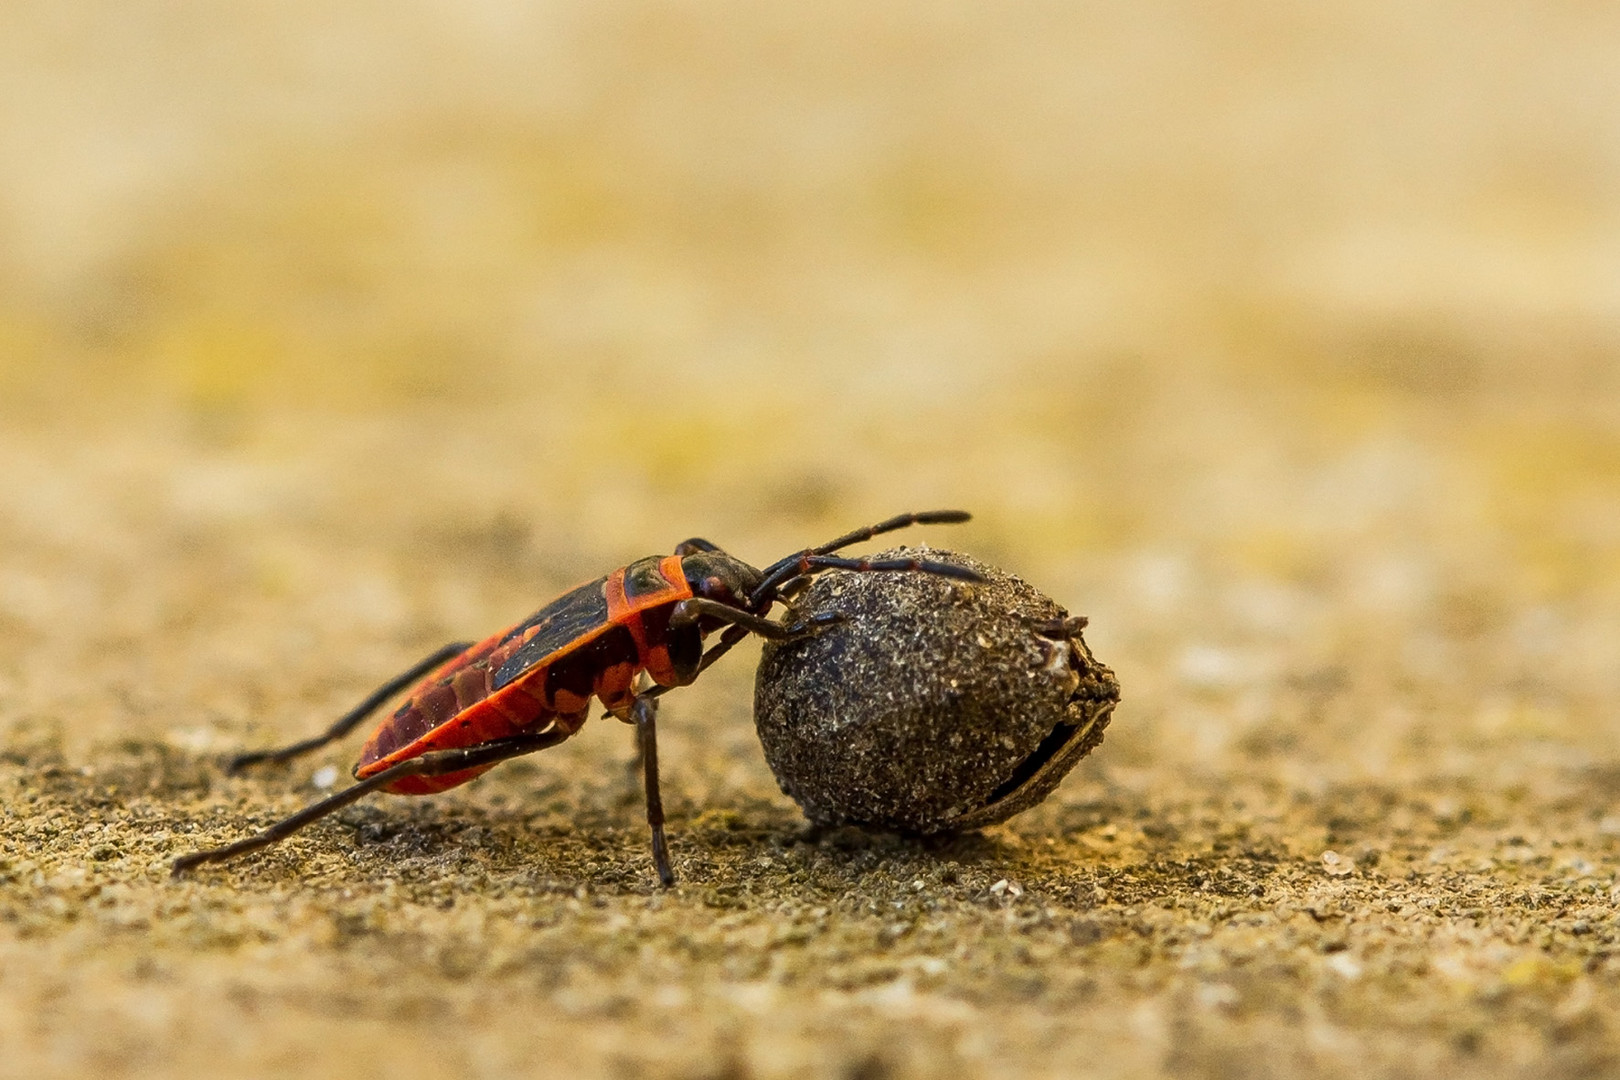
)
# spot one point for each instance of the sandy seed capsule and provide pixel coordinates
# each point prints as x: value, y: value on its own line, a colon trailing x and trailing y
x: 935, y: 705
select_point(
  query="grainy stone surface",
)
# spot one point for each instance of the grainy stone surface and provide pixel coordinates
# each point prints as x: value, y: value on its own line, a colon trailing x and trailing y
x: 934, y: 705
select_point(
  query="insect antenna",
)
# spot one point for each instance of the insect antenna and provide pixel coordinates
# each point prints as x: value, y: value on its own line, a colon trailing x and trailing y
x: 899, y: 521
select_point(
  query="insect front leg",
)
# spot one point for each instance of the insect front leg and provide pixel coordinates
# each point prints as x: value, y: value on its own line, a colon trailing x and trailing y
x: 347, y: 722
x: 690, y: 610
x: 646, y: 714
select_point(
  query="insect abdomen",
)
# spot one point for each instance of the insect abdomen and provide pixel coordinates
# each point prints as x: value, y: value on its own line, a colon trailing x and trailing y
x: 459, y: 709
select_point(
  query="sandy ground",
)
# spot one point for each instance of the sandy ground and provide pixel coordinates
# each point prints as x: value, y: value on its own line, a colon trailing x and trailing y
x: 1284, y: 346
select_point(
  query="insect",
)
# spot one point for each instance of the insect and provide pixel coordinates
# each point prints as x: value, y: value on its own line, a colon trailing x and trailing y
x: 529, y: 687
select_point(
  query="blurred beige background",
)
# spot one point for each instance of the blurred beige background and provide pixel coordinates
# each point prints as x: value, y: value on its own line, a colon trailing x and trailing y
x: 1282, y: 340
x: 336, y: 202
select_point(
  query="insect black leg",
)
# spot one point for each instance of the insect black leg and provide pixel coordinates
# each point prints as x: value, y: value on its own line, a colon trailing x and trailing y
x: 346, y: 723
x: 437, y: 763
x: 793, y: 587
x: 695, y: 544
x: 693, y: 608
x: 647, y: 728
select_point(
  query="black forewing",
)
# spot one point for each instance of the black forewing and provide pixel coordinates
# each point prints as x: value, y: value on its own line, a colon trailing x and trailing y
x: 574, y: 617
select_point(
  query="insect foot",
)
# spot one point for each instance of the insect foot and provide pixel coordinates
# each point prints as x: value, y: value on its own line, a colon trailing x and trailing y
x: 934, y: 705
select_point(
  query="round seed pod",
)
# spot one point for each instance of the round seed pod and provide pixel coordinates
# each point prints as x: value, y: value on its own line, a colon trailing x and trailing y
x: 935, y: 704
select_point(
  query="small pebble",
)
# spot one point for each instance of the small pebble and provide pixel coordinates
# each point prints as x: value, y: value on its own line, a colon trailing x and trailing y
x: 1337, y: 865
x: 936, y: 705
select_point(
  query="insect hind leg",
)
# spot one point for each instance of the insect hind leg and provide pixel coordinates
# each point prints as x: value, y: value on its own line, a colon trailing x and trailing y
x: 438, y: 763
x: 349, y: 720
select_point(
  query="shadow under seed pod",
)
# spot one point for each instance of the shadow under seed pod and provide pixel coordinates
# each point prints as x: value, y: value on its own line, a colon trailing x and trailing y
x: 935, y: 705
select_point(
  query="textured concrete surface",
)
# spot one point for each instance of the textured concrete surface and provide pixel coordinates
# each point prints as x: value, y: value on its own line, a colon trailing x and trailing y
x: 1283, y: 345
